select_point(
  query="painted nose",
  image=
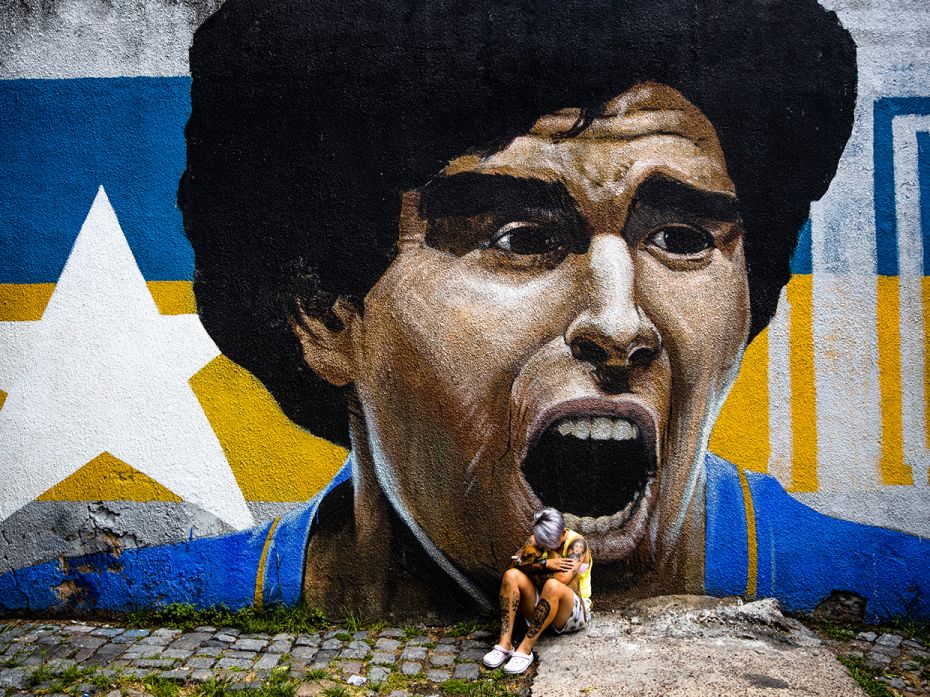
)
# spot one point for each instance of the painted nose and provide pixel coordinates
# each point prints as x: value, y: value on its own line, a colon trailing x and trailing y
x: 611, y: 329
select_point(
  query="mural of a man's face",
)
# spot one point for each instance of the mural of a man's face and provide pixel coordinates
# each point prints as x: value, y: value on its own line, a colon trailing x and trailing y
x: 559, y: 327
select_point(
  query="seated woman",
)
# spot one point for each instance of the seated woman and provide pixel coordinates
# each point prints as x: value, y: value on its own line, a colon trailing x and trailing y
x: 549, y: 582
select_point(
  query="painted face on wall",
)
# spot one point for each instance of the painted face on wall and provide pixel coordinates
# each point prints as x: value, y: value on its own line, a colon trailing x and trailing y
x: 559, y: 328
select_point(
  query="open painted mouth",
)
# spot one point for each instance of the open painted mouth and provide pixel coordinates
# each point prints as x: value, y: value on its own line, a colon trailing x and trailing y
x: 596, y: 468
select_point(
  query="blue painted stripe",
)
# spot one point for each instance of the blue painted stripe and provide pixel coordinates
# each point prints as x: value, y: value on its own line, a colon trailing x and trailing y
x: 204, y: 572
x: 886, y: 227
x: 802, y: 261
x: 726, y: 557
x: 61, y: 140
x: 284, y: 565
x: 804, y: 555
x: 923, y: 178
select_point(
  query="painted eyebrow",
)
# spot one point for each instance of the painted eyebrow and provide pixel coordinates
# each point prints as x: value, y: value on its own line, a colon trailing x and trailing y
x: 473, y: 193
x: 666, y: 193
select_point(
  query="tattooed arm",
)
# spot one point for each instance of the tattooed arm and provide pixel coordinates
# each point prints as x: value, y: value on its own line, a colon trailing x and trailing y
x: 578, y: 556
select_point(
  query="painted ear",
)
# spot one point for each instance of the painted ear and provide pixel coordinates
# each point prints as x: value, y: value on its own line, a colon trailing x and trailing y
x: 327, y: 343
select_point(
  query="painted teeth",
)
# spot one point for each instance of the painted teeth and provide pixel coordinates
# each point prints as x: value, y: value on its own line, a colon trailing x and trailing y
x: 597, y: 428
x: 602, y: 525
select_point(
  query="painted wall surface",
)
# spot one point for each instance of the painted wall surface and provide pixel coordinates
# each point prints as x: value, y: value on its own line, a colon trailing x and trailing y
x: 567, y: 341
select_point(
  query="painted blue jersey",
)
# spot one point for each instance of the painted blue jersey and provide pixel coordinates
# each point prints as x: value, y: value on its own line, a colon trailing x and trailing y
x: 760, y: 542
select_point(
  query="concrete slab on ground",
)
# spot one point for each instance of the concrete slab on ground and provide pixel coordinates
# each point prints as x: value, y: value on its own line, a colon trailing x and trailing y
x: 690, y: 646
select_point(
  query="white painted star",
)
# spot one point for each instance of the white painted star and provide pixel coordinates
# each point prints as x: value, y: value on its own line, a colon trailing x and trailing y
x: 103, y: 370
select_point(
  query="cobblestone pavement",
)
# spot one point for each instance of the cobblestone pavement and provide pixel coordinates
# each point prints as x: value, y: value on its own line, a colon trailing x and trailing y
x: 900, y: 663
x: 37, y: 657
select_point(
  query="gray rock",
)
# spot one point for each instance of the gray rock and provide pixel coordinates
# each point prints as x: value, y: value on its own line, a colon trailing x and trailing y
x: 383, y: 658
x: 135, y: 633
x: 154, y: 663
x: 233, y: 653
x: 88, y: 642
x: 442, y: 659
x: 250, y: 644
x: 354, y: 654
x: 419, y: 640
x: 887, y: 650
x: 437, y: 675
x: 279, y: 646
x: 176, y: 653
x: 206, y: 629
x: 473, y: 654
x: 166, y: 632
x: 243, y: 663
x: 411, y: 668
x: 304, y: 652
x: 385, y: 644
x: 867, y: 636
x: 108, y: 632
x: 392, y: 633
x: 307, y: 640
x: 225, y: 637
x: 332, y: 644
x: 877, y: 660
x: 377, y: 674
x: 190, y: 641
x: 894, y: 682
x: 200, y: 663
x: 13, y: 678
x: 202, y: 675
x: 892, y: 640
x: 350, y: 668
x: 267, y: 661
x: 413, y: 653
x: 466, y: 671
x: 356, y: 680
x: 481, y: 635
x: 176, y: 674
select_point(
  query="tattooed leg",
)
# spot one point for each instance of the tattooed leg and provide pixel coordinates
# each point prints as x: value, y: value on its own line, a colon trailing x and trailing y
x: 554, y: 597
x: 514, y: 585
x: 541, y: 618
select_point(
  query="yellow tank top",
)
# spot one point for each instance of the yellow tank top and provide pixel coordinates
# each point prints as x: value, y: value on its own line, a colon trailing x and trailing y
x: 584, y: 577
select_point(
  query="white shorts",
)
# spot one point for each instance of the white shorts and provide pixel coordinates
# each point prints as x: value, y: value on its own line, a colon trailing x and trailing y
x: 581, y: 611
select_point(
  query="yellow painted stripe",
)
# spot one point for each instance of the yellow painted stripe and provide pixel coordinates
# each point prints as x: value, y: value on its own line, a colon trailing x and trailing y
x: 892, y: 465
x: 173, y: 297
x: 25, y: 302
x: 741, y: 433
x: 803, y: 385
x: 260, y: 574
x: 271, y: 457
x: 752, y: 549
x: 926, y: 307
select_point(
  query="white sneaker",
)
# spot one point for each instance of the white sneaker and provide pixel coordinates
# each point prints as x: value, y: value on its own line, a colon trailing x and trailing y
x: 518, y: 663
x: 496, y: 656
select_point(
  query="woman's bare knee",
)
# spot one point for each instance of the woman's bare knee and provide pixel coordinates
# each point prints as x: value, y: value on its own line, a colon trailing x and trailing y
x: 514, y: 578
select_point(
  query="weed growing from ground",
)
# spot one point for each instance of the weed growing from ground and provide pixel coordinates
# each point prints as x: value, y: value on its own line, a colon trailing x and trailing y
x: 865, y: 676
x: 272, y: 619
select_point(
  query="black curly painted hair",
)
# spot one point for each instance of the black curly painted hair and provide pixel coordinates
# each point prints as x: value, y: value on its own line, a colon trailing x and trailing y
x: 310, y: 117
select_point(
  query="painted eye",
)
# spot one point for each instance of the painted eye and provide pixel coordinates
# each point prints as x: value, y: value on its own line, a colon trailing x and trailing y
x: 681, y: 239
x: 527, y: 238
